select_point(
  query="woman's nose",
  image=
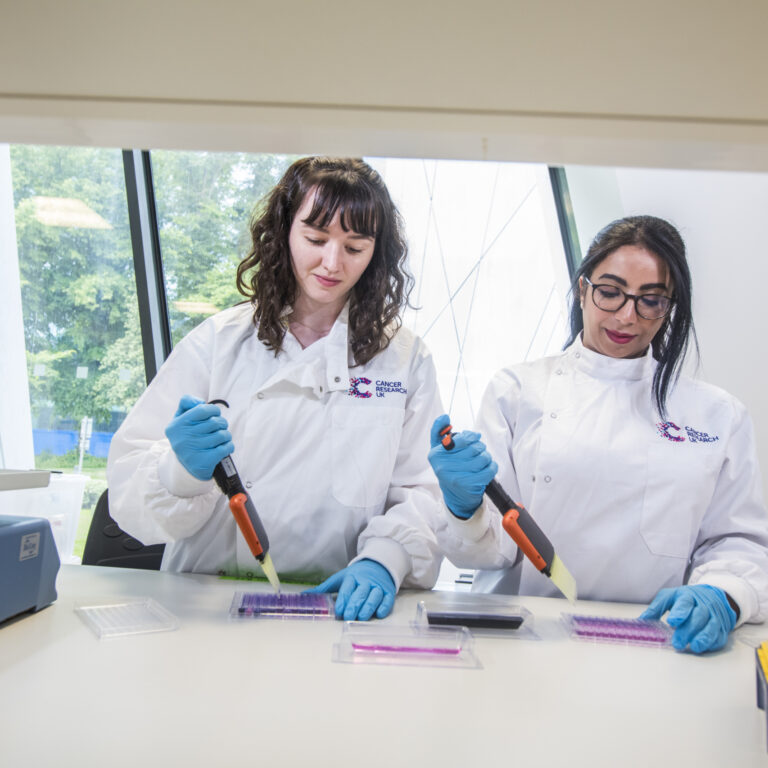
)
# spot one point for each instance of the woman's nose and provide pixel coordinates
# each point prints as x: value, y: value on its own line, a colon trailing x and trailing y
x: 627, y: 313
x: 331, y: 256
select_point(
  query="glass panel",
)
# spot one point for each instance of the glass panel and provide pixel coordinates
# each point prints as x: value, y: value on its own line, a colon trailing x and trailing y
x: 85, y: 366
x: 485, y: 251
x: 204, y: 202
x: 491, y: 276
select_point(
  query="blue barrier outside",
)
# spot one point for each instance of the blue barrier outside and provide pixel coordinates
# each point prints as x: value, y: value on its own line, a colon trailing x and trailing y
x: 100, y: 443
x: 61, y: 441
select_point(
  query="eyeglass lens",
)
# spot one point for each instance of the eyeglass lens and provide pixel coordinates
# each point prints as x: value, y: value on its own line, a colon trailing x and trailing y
x: 650, y: 306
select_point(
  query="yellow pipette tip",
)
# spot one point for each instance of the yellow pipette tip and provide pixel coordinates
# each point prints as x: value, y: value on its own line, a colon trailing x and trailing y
x: 562, y: 579
x: 270, y: 572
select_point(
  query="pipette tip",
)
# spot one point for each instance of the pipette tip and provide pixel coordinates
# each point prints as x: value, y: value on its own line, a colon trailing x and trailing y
x: 270, y: 572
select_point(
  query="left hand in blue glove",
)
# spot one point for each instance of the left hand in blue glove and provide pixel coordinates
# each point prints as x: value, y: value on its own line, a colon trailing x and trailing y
x: 363, y: 588
x: 701, y: 615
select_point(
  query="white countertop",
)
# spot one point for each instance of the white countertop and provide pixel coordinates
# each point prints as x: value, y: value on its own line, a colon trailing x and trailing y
x: 218, y: 692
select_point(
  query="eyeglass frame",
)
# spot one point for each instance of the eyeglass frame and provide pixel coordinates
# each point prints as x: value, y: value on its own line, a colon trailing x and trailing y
x: 627, y: 296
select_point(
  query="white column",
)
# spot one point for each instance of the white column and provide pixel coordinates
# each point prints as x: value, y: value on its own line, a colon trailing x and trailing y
x: 16, y: 449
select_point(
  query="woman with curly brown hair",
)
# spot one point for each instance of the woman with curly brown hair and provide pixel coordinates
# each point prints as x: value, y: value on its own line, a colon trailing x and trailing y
x: 330, y: 406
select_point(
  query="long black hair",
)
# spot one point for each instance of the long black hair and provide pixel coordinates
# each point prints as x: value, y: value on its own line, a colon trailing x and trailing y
x: 670, y: 344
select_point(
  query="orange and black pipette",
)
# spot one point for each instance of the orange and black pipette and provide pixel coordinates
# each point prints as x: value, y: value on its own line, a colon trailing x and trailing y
x: 522, y: 528
x: 242, y: 508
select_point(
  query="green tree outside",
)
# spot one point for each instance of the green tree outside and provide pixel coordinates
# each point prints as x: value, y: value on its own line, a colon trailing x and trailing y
x: 81, y: 321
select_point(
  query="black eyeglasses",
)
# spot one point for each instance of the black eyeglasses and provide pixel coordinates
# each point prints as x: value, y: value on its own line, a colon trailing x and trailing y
x: 610, y: 298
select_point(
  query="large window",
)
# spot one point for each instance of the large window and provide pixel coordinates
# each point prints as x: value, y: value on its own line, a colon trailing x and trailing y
x: 484, y: 244
x: 78, y: 298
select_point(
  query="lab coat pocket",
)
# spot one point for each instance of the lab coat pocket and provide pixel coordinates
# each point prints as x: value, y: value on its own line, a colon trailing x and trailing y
x: 678, y: 490
x: 364, y: 448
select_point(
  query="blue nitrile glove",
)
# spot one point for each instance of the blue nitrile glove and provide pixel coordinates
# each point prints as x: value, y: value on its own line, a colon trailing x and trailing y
x: 701, y: 615
x: 199, y: 436
x: 464, y: 471
x: 363, y: 587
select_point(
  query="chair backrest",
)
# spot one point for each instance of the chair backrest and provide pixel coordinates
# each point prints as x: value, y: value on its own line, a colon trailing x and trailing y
x: 107, y: 544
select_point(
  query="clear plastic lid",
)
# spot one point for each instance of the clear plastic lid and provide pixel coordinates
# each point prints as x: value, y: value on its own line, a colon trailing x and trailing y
x: 130, y: 616
x: 269, y: 605
x: 413, y: 645
x: 482, y: 614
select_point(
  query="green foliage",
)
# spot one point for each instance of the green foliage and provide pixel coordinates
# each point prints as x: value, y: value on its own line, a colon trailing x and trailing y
x: 48, y: 460
x: 204, y: 205
x: 78, y: 285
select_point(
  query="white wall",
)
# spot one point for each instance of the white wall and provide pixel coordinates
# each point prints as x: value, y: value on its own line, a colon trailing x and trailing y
x: 666, y: 84
x: 721, y: 218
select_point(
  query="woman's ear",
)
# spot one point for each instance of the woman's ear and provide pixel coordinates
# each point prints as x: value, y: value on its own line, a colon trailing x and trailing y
x: 582, y: 291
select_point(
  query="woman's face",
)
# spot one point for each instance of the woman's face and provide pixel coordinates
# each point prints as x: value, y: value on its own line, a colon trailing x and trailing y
x: 326, y: 261
x: 623, y: 333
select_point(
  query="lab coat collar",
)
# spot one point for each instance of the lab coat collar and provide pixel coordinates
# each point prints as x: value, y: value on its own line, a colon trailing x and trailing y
x: 337, y: 370
x: 321, y: 367
x: 605, y: 367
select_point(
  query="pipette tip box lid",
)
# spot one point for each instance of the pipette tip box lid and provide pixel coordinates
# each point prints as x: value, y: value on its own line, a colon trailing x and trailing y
x: 609, y: 629
x: 411, y: 645
x: 129, y: 616
x: 268, y: 605
x: 480, y: 613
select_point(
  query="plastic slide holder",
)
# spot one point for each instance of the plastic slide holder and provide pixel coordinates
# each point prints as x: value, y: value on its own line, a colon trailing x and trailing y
x: 131, y: 616
x: 608, y: 629
x: 413, y: 645
x: 267, y: 605
x: 482, y: 614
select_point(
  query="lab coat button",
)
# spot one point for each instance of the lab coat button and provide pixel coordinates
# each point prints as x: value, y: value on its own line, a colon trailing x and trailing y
x: 559, y: 371
x: 321, y: 389
x: 577, y: 355
x: 337, y: 379
x: 553, y: 415
x: 248, y: 483
x: 533, y: 478
x: 547, y: 479
x: 260, y: 395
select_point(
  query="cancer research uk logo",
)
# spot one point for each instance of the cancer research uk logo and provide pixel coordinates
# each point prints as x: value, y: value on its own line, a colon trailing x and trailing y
x: 664, y: 428
x: 359, y: 387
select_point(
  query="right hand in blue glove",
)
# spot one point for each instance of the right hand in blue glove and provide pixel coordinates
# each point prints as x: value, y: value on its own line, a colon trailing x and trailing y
x: 464, y: 471
x: 364, y: 588
x: 700, y: 614
x: 199, y: 436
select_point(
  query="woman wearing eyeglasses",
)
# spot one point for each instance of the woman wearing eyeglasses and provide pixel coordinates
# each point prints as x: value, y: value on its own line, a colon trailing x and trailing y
x: 645, y: 480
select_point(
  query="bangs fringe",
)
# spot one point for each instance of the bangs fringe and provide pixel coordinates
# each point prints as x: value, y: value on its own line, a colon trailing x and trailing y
x: 358, y: 208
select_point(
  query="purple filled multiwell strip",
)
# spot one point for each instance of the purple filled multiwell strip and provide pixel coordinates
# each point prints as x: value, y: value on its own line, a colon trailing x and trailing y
x: 257, y: 604
x: 610, y: 629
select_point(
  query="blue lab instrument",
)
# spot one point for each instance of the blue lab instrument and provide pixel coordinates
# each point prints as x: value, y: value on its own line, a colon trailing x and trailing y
x: 29, y: 563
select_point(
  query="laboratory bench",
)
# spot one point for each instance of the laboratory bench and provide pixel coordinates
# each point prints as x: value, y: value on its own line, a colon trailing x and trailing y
x: 218, y: 691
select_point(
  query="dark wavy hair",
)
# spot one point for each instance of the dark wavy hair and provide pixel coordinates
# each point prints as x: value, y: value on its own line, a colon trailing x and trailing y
x: 670, y: 344
x: 351, y: 187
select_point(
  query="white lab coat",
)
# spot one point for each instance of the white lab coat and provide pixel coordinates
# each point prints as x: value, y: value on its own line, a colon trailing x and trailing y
x: 334, y: 476
x: 631, y: 505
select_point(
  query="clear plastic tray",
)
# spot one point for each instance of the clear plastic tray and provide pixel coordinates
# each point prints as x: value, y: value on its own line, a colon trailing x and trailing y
x: 480, y: 613
x: 130, y: 616
x: 413, y: 645
x: 268, y: 605
x: 608, y: 629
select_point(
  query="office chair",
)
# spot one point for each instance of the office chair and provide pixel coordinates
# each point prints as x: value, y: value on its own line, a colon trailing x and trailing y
x: 107, y: 544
